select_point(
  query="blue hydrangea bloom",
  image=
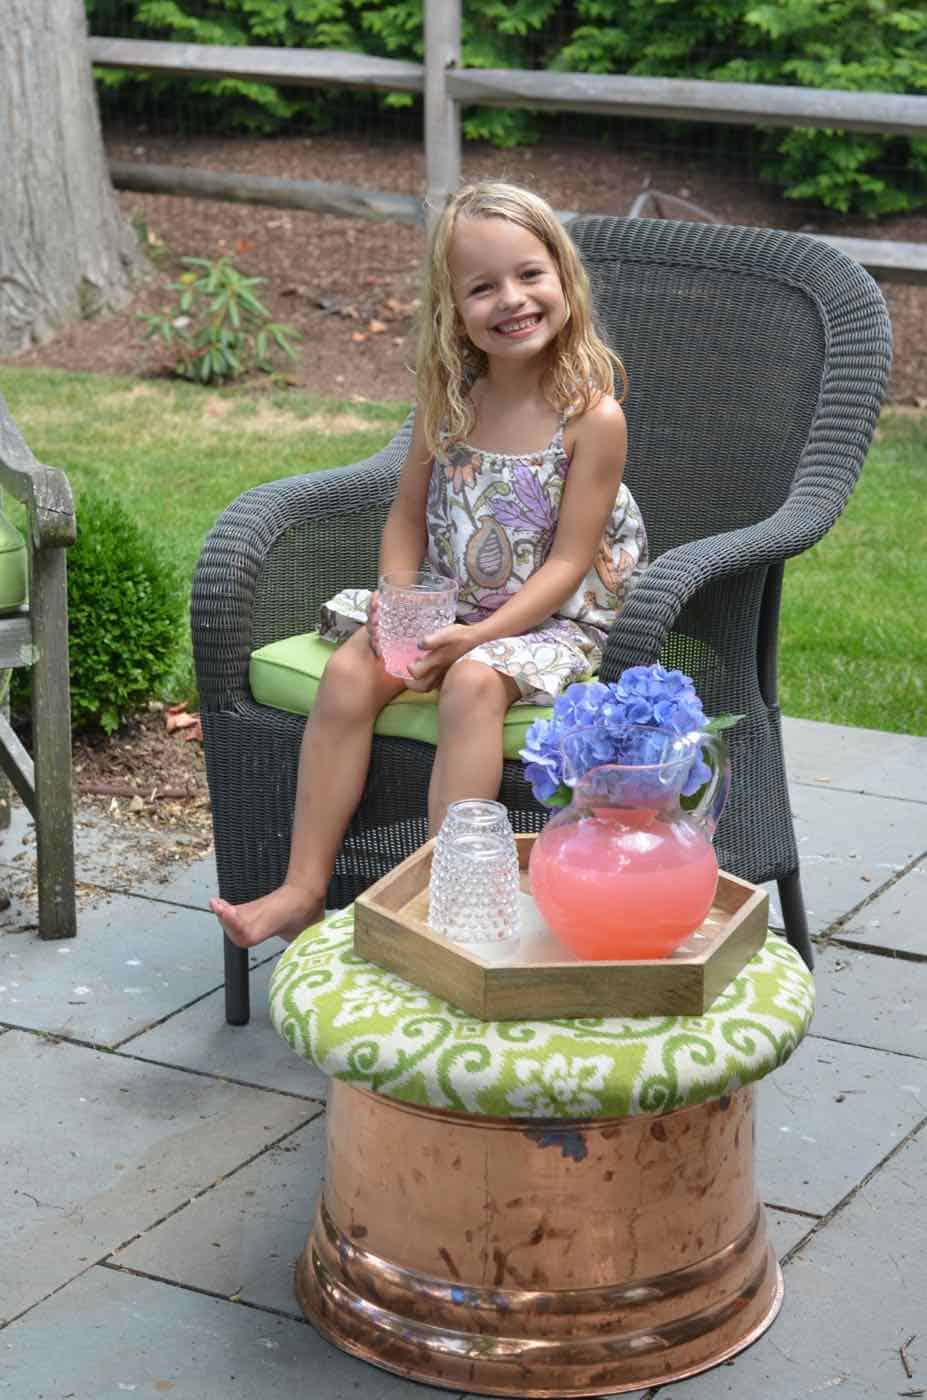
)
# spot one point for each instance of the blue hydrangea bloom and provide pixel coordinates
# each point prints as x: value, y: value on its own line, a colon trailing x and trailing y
x: 542, y: 759
x: 608, y: 714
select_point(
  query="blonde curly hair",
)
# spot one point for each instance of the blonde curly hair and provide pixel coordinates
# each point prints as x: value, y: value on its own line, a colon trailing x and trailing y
x: 581, y: 367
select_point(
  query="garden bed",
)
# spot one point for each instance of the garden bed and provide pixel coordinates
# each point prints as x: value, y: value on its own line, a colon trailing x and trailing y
x: 349, y: 285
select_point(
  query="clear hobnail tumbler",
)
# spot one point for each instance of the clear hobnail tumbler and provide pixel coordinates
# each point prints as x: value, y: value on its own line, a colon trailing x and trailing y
x: 477, y: 814
x: 412, y: 605
x: 478, y: 888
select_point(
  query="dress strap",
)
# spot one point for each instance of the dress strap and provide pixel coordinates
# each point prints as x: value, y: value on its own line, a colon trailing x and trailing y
x: 568, y: 413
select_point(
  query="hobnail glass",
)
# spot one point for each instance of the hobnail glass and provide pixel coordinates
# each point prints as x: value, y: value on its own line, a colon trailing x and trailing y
x: 474, y: 896
x: 412, y: 605
x: 481, y: 815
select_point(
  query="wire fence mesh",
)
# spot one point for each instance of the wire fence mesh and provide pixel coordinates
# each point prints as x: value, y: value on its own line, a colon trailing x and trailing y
x: 151, y: 112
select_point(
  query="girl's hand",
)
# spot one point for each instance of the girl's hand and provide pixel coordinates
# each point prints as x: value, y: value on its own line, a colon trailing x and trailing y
x: 373, y: 623
x: 439, y: 652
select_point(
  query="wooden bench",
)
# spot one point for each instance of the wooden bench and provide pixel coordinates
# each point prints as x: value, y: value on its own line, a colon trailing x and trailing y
x: 36, y: 635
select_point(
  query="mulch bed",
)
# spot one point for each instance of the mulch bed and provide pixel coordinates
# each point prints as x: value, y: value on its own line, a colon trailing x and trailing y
x: 334, y: 279
x: 147, y: 775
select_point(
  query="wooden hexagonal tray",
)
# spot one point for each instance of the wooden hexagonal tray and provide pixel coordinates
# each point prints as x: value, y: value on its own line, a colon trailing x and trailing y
x: 541, y: 979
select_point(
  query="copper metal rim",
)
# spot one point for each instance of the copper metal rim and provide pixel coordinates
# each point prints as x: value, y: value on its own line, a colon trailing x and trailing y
x: 518, y: 1258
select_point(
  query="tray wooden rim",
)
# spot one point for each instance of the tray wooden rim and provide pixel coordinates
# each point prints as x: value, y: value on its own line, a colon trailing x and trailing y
x: 631, y: 987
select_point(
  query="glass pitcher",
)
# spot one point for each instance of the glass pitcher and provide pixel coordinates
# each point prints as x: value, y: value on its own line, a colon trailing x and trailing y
x: 628, y: 870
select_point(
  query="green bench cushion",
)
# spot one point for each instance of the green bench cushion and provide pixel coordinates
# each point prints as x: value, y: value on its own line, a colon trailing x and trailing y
x: 359, y: 1023
x: 14, y: 585
x: 286, y: 675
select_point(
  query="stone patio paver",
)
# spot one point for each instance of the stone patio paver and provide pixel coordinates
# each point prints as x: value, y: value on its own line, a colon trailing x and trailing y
x: 133, y: 962
x: 850, y: 845
x: 829, y: 1117
x: 191, y: 883
x: 145, y: 1156
x: 855, y: 760
x: 110, y: 1336
x: 786, y: 1229
x: 895, y: 920
x: 854, y: 1295
x: 200, y: 1039
x: 119, y: 856
x: 97, y: 1148
x: 864, y: 999
x: 244, y: 1237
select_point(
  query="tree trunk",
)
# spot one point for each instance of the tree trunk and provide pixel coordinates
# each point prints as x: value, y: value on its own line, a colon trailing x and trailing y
x: 65, y: 250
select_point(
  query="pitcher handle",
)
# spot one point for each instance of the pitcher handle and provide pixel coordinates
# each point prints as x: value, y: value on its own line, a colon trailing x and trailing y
x: 715, y: 792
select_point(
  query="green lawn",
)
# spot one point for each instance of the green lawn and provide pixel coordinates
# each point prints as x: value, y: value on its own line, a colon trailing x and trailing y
x: 175, y: 454
x: 853, y: 641
x: 853, y: 647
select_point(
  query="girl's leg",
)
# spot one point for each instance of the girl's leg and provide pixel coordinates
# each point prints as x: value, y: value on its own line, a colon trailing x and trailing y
x: 472, y: 705
x: 333, y: 763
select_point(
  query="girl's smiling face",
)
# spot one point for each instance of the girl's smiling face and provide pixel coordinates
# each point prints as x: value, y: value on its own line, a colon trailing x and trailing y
x: 506, y: 287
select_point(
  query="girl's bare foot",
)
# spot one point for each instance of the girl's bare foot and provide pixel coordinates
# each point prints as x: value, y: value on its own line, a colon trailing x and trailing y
x: 283, y: 913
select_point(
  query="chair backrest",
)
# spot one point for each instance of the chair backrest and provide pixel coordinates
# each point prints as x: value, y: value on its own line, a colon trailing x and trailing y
x: 736, y: 342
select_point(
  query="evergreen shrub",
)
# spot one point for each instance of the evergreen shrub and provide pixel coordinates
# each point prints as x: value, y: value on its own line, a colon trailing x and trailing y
x: 126, y: 607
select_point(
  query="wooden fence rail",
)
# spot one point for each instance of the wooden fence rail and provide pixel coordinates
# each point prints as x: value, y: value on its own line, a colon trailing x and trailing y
x: 447, y: 87
x: 318, y: 196
x: 288, y: 67
x: 681, y: 99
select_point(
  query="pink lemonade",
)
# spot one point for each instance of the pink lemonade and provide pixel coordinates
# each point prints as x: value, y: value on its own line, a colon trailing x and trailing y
x: 397, y: 655
x: 622, y: 883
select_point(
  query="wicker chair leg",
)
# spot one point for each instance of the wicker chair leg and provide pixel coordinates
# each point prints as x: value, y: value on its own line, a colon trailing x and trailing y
x: 793, y: 913
x: 237, y: 985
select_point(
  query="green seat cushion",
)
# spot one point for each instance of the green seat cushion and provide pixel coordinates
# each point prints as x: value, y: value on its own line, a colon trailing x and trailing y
x: 286, y: 675
x: 13, y: 567
x: 359, y: 1023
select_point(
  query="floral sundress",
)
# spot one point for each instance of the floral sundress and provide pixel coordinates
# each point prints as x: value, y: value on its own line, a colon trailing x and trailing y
x: 491, y: 520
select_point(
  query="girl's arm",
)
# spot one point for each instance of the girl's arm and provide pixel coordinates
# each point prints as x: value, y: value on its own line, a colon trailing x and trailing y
x: 402, y: 544
x: 596, y: 470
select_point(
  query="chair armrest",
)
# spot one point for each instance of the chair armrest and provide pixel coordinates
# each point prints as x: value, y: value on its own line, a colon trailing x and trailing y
x: 44, y: 491
x: 675, y: 577
x: 275, y: 554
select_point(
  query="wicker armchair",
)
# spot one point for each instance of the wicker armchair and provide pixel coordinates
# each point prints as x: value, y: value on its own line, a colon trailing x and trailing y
x: 758, y: 361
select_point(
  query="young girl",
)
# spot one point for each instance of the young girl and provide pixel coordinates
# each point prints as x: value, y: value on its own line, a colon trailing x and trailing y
x: 513, y: 486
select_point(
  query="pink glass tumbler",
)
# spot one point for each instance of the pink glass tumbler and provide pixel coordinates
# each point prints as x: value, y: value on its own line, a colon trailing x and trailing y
x: 412, y: 605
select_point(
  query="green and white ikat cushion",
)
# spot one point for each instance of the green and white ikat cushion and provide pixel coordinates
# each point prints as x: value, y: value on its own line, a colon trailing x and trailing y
x: 371, y: 1028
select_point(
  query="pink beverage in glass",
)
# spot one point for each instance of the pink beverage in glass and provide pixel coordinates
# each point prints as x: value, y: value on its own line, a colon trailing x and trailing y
x: 397, y: 657
x: 623, y: 883
x: 412, y: 605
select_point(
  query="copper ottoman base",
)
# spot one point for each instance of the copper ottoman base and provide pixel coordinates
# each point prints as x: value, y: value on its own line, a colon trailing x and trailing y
x: 525, y: 1258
